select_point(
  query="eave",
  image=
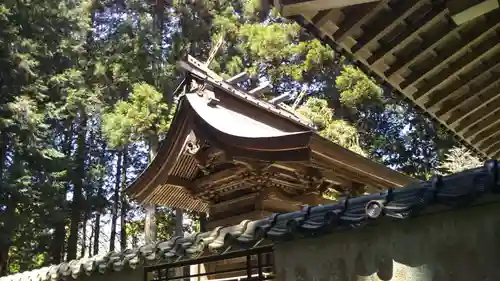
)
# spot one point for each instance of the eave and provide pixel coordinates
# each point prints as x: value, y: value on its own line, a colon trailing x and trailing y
x: 444, y: 59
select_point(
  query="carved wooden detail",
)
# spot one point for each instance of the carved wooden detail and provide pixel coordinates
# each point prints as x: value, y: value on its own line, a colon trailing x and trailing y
x: 230, y: 154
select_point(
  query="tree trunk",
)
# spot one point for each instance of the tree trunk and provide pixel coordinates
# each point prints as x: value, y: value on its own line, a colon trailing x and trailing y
x: 179, y: 217
x: 77, y: 179
x: 59, y: 238
x: 4, y: 246
x: 150, y: 224
x: 100, y: 198
x: 124, y: 203
x: 96, y: 231
x: 81, y: 149
x: 203, y: 222
x: 91, y: 241
x: 10, y: 221
x: 116, y: 201
x: 84, y: 235
x: 4, y: 259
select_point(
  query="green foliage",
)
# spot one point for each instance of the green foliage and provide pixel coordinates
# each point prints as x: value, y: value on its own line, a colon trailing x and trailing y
x: 337, y: 131
x: 343, y: 134
x: 82, y: 78
x: 457, y: 160
x: 355, y: 87
x: 144, y: 114
x: 317, y: 111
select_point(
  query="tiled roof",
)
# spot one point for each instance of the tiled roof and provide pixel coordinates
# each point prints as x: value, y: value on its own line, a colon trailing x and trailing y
x: 402, y: 203
x: 244, y: 235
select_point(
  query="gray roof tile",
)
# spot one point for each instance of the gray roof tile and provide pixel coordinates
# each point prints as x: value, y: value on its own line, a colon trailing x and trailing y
x: 456, y: 190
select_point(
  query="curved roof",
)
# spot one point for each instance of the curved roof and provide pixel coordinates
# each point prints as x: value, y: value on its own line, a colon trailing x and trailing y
x: 246, y: 128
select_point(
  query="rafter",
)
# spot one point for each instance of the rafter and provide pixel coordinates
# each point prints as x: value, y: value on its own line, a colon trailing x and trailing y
x: 322, y: 17
x: 487, y: 102
x: 430, y: 17
x: 479, y: 56
x: 390, y: 19
x: 294, y: 7
x: 464, y: 11
x: 428, y: 43
x: 476, y: 94
x: 493, y: 149
x: 493, y: 138
x: 449, y: 70
x: 238, y: 78
x: 356, y: 16
x: 451, y: 51
x: 474, y: 126
x: 496, y: 156
x: 483, y: 135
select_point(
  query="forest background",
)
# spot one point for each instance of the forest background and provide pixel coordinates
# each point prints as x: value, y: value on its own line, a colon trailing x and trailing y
x: 86, y: 90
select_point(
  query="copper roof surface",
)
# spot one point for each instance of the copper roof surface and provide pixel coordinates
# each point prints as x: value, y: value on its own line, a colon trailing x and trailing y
x: 449, y: 70
x: 246, y: 128
x: 454, y: 191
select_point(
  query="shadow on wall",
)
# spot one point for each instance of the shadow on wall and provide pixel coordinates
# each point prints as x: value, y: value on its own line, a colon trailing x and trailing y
x: 458, y: 245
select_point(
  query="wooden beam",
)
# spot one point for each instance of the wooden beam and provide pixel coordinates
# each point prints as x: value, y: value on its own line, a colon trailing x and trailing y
x: 463, y: 11
x: 295, y: 7
x: 336, y: 177
x: 493, y: 138
x: 388, y: 20
x: 222, y: 176
x: 474, y: 91
x: 180, y: 182
x: 497, y: 156
x: 349, y: 178
x: 243, y: 76
x: 483, y: 118
x: 474, y: 111
x: 457, y: 89
x: 322, y: 17
x: 356, y: 16
x: 493, y: 149
x: 428, y: 43
x: 203, y: 156
x: 261, y: 89
x: 214, y: 50
x: 279, y: 99
x: 297, y: 186
x: 431, y: 14
x: 452, y: 51
x: 253, y: 165
x: 479, y: 55
x: 482, y: 135
x: 267, y: 192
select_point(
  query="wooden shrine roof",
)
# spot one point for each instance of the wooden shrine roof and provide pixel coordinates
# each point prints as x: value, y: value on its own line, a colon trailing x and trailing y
x: 443, y: 55
x: 226, y: 145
